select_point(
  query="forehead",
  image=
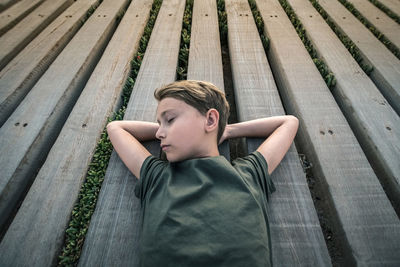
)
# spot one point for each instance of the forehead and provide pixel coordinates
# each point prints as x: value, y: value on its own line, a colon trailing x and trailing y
x: 170, y: 103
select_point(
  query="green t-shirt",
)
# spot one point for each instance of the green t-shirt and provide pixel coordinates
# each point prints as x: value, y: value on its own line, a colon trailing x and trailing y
x: 205, y: 212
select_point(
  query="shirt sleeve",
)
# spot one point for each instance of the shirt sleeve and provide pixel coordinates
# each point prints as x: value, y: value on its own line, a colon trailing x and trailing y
x: 254, y: 167
x: 149, y: 172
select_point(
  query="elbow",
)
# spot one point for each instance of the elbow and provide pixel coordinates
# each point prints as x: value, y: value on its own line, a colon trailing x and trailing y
x: 111, y: 126
x: 293, y: 121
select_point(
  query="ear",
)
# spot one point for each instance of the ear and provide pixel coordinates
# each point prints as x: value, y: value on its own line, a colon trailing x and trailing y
x: 212, y: 117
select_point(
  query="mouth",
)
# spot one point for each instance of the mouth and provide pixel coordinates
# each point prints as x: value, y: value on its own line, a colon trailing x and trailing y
x: 164, y: 147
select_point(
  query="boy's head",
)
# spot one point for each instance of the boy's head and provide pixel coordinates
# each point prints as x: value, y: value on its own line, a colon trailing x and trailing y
x: 200, y: 95
x: 202, y: 98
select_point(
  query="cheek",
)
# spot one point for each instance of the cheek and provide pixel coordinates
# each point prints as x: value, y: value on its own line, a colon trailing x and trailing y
x: 191, y: 131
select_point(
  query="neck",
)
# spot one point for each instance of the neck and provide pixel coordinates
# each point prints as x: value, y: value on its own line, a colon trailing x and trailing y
x: 210, y: 150
x: 214, y: 152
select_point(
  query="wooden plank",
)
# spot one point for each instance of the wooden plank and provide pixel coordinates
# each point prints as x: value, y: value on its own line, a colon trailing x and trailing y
x: 337, y: 157
x: 4, y: 4
x: 296, y: 235
x: 20, y: 75
x: 205, y: 58
x: 379, y: 19
x: 16, y: 39
x: 59, y: 180
x: 112, y: 238
x: 374, y: 122
x: 393, y: 5
x: 30, y: 131
x: 14, y: 14
x: 386, y: 73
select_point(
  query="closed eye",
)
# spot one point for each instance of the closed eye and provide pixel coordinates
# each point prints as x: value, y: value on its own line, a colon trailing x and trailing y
x: 170, y: 120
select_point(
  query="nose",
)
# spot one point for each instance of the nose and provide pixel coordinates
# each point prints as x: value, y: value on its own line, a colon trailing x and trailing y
x: 160, y: 133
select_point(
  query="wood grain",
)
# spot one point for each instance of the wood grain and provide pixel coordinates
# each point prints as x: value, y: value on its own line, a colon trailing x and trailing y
x: 43, y: 215
x: 4, y: 4
x: 374, y: 122
x: 386, y: 73
x: 367, y: 225
x: 17, y: 38
x: 379, y: 19
x: 205, y: 58
x: 296, y: 235
x: 113, y: 235
x: 329, y: 143
x: 16, y: 13
x: 25, y: 69
x: 393, y: 5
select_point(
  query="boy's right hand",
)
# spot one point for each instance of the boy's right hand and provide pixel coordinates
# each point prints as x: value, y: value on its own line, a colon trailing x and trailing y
x: 126, y: 136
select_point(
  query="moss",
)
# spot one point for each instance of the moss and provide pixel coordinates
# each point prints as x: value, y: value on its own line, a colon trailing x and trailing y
x: 222, y: 21
x: 183, y: 58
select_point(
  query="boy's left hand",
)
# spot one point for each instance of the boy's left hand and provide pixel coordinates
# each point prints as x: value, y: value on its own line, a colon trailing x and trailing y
x: 225, y: 135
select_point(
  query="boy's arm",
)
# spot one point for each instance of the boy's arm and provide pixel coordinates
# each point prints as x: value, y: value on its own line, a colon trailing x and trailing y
x: 126, y: 136
x: 279, y: 130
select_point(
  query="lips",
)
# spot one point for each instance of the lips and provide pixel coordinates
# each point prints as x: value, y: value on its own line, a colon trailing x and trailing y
x: 164, y: 147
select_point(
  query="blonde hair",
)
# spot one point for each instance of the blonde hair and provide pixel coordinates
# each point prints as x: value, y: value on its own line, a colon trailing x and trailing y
x: 201, y: 95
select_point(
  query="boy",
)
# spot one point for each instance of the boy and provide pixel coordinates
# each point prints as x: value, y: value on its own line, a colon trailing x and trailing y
x: 198, y: 209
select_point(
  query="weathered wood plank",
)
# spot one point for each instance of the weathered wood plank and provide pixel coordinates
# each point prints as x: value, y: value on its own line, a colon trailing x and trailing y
x: 112, y: 238
x: 379, y: 19
x: 17, y: 38
x: 205, y: 58
x: 374, y: 122
x: 14, y: 14
x: 393, y: 5
x: 20, y: 75
x: 4, y: 4
x: 386, y: 73
x: 326, y: 138
x: 30, y: 131
x: 59, y: 180
x: 296, y: 235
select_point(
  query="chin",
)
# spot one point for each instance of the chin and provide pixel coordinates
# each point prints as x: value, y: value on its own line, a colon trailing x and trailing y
x: 171, y: 158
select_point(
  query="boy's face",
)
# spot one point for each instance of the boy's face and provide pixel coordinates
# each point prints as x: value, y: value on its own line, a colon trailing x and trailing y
x: 181, y: 129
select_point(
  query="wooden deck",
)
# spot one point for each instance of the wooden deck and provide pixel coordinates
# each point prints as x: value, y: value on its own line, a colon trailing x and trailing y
x: 63, y: 67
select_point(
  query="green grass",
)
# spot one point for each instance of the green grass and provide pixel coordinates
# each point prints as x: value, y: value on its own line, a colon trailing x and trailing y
x: 87, y: 198
x: 183, y: 58
x: 222, y: 22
